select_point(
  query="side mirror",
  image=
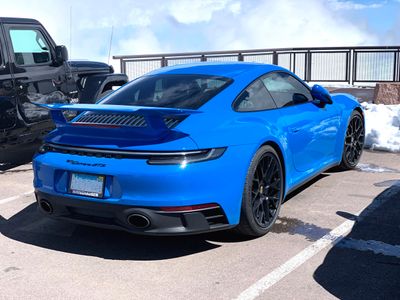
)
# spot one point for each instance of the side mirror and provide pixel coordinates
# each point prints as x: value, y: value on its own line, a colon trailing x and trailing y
x: 320, y: 93
x: 61, y: 54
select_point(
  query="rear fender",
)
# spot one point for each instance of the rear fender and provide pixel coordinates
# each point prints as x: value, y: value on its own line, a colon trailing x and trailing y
x: 346, y: 103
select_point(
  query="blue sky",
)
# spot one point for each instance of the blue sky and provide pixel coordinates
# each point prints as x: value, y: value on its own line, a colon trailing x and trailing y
x: 155, y: 26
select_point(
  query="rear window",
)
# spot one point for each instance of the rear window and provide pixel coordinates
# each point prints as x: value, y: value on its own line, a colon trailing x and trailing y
x: 173, y: 91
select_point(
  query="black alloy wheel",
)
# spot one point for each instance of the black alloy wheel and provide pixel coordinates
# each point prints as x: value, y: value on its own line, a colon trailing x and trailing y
x: 263, y: 193
x: 354, y: 142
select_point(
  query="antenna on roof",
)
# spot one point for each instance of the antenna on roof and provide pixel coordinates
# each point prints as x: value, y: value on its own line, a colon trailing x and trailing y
x: 109, y: 49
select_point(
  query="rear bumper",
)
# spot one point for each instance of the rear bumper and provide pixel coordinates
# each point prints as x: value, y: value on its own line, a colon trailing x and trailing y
x: 113, y: 216
x: 134, y: 183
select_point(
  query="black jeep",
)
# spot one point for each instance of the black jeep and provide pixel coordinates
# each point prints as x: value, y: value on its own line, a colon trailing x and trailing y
x: 34, y: 69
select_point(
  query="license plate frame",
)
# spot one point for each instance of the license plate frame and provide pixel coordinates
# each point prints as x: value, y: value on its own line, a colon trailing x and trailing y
x: 77, y: 180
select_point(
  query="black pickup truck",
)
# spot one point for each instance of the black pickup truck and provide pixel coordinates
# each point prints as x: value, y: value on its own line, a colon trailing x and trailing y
x: 34, y: 69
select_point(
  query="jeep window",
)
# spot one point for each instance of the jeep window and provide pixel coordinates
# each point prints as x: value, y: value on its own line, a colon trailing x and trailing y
x: 30, y: 47
x: 167, y: 90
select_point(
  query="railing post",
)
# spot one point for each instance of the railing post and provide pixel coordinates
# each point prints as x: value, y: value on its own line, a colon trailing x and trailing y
x: 308, y: 66
x: 164, y: 62
x: 294, y: 62
x: 122, y: 65
x: 398, y: 65
x: 347, y: 76
x: 394, y: 65
x: 354, y: 73
x: 275, y: 58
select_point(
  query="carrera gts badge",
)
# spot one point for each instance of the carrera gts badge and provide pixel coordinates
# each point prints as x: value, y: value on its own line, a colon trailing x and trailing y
x: 74, y: 162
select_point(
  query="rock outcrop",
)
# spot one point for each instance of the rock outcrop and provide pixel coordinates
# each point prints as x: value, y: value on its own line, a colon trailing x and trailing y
x: 387, y: 93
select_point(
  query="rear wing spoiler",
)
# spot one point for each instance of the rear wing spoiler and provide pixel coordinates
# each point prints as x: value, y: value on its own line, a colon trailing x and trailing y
x: 154, y: 116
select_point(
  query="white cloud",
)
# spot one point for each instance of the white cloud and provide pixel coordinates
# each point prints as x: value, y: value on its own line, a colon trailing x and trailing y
x: 195, y: 11
x: 155, y: 26
x: 236, y: 7
x: 143, y: 41
x: 351, y: 5
x: 285, y: 24
x: 112, y: 16
x: 140, y: 17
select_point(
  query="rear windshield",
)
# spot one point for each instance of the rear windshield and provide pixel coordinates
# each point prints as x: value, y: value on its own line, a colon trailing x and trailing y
x: 173, y: 91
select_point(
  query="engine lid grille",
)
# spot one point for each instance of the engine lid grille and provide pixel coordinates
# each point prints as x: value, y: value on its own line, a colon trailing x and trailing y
x: 131, y: 120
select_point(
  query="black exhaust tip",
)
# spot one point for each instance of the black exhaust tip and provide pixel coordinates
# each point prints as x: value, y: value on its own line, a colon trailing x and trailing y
x: 138, y: 221
x: 46, y: 206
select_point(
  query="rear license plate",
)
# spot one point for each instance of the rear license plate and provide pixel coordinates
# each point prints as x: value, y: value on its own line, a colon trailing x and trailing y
x: 87, y: 185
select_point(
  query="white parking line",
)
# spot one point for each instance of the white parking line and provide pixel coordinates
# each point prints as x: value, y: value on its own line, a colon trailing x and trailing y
x: 330, y: 239
x: 333, y: 237
x: 6, y: 200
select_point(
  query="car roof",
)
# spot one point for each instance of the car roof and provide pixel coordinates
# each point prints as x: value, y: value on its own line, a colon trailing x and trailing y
x: 226, y: 69
x: 19, y: 21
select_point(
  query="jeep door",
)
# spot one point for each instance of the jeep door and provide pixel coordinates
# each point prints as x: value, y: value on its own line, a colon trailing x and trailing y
x: 8, y: 112
x: 37, y: 77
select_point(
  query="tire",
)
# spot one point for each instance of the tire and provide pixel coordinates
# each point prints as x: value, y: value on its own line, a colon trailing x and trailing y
x: 261, y: 202
x: 354, y: 142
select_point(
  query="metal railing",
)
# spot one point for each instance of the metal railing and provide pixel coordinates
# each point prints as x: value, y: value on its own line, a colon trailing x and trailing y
x: 322, y: 64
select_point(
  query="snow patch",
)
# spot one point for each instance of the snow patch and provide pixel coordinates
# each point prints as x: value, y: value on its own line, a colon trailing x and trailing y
x: 382, y: 127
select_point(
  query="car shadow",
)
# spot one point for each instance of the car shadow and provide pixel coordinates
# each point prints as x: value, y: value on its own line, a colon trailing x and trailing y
x: 31, y: 227
x: 366, y: 263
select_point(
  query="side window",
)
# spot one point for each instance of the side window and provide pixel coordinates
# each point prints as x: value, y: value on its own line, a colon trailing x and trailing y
x: 30, y: 47
x: 286, y: 90
x: 255, y: 97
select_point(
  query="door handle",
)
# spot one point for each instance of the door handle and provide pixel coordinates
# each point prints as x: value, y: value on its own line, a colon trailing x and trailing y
x: 56, y: 82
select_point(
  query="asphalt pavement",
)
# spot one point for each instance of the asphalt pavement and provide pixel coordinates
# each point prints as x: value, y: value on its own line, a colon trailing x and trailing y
x: 337, y: 237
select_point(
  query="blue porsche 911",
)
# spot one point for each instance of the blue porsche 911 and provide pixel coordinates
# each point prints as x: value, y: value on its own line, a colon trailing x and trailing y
x: 194, y: 148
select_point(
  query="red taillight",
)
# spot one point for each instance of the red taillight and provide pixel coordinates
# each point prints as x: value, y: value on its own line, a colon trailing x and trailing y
x: 189, y: 207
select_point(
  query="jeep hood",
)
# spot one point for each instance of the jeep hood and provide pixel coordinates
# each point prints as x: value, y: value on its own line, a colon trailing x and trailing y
x: 89, y: 67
